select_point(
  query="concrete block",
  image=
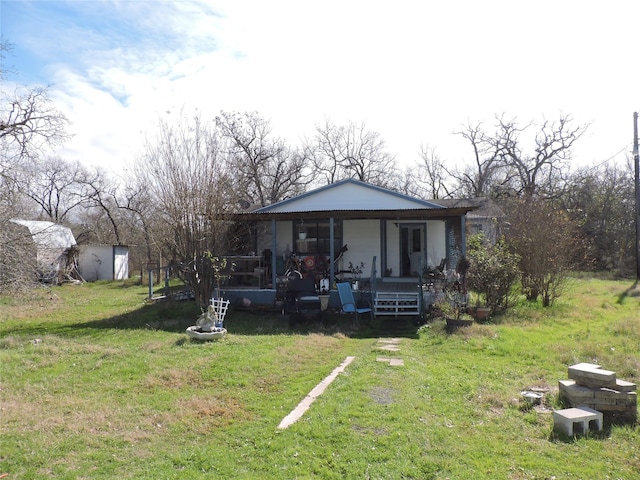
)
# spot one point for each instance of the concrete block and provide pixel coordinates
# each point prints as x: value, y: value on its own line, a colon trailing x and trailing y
x: 624, y: 386
x: 602, y: 403
x: 630, y: 399
x: 592, y: 375
x: 608, y: 393
x: 569, y: 388
x: 573, y: 421
x: 591, y: 366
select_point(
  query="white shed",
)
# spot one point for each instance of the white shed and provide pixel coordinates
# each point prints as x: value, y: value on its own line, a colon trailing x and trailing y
x: 54, y: 248
x: 104, y: 262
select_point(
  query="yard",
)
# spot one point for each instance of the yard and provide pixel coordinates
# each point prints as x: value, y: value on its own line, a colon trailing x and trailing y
x: 97, y: 383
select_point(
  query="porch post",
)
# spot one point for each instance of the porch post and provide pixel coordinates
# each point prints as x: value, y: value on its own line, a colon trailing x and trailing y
x: 383, y: 247
x: 463, y: 235
x: 332, y: 251
x: 274, y: 255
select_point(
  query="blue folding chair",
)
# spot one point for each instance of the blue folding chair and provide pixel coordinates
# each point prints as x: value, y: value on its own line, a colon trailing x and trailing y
x: 348, y: 303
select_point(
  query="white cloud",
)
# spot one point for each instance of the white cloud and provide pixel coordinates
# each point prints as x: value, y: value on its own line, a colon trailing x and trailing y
x: 413, y: 71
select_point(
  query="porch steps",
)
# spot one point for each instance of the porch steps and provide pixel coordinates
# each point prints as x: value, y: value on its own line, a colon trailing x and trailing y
x: 396, y: 303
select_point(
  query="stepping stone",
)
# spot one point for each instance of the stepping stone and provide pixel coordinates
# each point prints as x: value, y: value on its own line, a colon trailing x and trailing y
x: 394, y: 362
x: 389, y: 348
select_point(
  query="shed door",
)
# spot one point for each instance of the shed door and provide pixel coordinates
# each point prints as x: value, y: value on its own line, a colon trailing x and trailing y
x: 412, y: 247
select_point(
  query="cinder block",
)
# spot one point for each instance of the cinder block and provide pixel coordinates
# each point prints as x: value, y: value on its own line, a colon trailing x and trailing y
x: 608, y: 393
x: 602, y: 403
x: 628, y: 409
x: 577, y: 420
x: 569, y: 388
x: 591, y: 375
x: 630, y: 398
x: 591, y: 366
x: 624, y: 386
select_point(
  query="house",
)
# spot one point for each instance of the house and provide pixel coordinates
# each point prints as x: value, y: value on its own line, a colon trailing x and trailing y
x: 486, y: 217
x: 55, y: 248
x: 404, y: 234
x: 104, y: 262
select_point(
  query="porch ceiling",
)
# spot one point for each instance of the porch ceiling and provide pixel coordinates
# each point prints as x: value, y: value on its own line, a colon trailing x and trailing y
x: 404, y: 214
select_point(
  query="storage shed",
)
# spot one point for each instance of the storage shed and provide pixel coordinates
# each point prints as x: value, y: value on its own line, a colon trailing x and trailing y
x: 55, y: 248
x: 104, y: 262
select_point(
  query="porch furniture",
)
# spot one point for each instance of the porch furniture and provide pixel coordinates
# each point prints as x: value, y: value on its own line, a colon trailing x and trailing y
x: 348, y: 303
x: 397, y: 303
x: 301, y: 301
x: 247, y: 270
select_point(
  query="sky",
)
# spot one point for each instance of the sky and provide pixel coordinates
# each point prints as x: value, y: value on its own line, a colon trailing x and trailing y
x: 413, y: 71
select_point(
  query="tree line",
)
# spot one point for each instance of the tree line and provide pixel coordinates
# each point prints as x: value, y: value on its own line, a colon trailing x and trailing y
x: 193, y: 173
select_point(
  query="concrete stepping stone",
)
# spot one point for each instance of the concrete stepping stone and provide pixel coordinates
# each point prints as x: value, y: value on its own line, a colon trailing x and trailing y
x: 394, y: 362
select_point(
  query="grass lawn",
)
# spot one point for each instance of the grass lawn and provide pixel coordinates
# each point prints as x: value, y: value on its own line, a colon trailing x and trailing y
x: 96, y: 383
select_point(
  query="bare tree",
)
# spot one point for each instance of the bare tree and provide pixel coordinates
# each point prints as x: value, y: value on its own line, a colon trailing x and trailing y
x: 267, y: 168
x: 544, y: 170
x: 57, y: 186
x: 432, y: 176
x: 502, y: 159
x: 543, y: 236
x: 479, y: 177
x: 188, y: 180
x: 28, y: 124
x: 351, y: 151
x: 600, y: 200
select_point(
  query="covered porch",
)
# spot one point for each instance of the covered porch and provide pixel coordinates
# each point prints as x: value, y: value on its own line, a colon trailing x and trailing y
x: 351, y: 231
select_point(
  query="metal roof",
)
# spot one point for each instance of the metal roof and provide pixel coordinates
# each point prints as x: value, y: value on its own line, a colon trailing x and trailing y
x: 349, y: 195
x: 48, y: 234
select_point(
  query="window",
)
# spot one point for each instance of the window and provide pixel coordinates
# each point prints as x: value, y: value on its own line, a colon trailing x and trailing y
x: 416, y: 240
x: 317, y: 238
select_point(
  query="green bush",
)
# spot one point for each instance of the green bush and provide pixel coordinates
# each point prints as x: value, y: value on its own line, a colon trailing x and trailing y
x: 493, y: 272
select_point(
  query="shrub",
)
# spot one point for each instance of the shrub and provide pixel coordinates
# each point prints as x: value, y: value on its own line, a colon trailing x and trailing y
x: 544, y: 238
x: 493, y: 272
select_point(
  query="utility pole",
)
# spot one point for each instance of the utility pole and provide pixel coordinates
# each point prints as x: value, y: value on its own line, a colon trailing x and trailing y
x: 636, y: 162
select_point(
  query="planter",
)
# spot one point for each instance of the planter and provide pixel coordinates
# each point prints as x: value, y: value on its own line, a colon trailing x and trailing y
x: 198, y: 333
x: 454, y: 323
x: 324, y: 302
x: 479, y: 313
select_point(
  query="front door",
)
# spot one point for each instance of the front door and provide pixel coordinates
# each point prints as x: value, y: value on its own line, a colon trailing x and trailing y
x: 412, y: 248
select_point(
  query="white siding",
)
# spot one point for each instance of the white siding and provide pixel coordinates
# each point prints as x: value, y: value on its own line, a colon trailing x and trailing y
x: 348, y: 196
x: 363, y: 239
x: 436, y: 242
x: 103, y: 262
x: 95, y: 262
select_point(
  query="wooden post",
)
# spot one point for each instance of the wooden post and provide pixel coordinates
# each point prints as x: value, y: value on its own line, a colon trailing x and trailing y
x: 636, y: 162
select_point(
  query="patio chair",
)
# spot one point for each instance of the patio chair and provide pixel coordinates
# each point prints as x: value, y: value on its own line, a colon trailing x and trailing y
x: 301, y: 301
x: 349, y: 304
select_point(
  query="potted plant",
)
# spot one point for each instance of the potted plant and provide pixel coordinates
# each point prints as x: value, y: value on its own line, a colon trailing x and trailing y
x: 454, y: 310
x: 302, y: 233
x: 356, y: 273
x: 479, y: 312
x: 209, y: 325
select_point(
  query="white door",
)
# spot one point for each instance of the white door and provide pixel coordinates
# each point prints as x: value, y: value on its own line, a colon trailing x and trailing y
x: 412, y: 246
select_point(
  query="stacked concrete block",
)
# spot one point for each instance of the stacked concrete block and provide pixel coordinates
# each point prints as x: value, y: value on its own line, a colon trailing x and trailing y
x: 593, y: 387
